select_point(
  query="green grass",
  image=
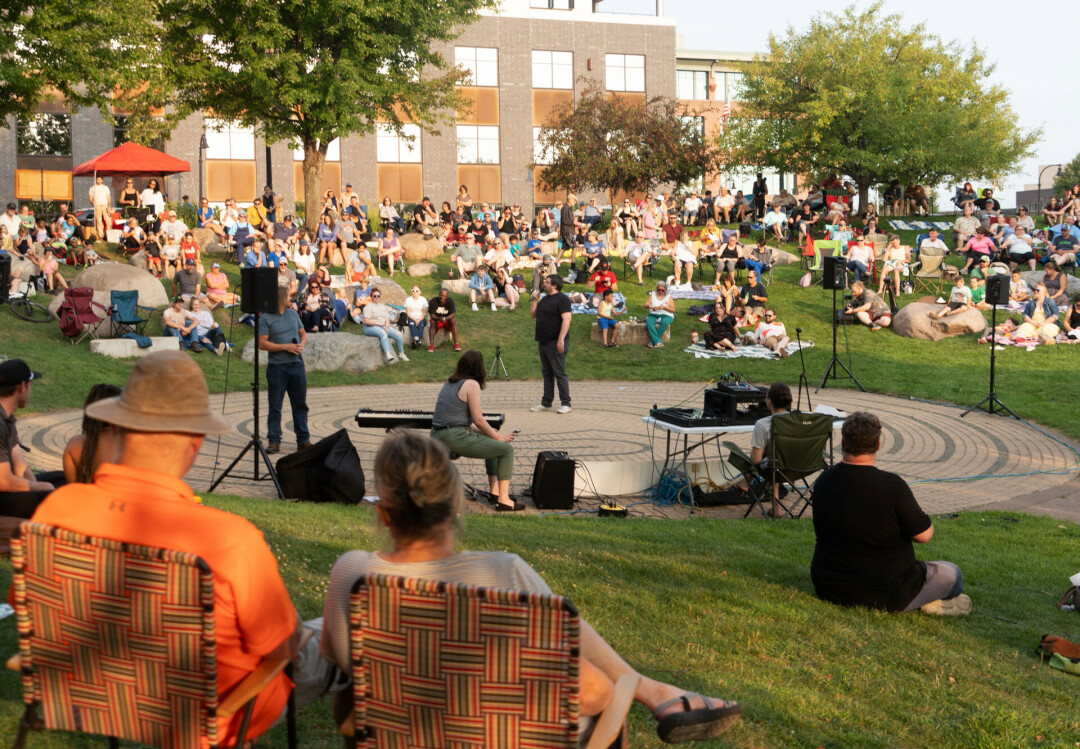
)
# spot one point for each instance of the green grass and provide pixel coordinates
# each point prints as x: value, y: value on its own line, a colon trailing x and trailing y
x: 727, y: 608
x: 955, y: 370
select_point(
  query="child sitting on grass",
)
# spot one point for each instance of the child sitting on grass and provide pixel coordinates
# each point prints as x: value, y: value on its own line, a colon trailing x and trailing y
x: 605, y: 314
x: 958, y: 302
x: 978, y: 292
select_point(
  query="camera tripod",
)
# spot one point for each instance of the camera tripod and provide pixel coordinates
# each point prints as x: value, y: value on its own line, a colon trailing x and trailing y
x: 497, y: 365
x: 835, y: 365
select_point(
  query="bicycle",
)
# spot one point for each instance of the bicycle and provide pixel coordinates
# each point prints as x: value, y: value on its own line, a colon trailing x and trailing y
x: 28, y: 310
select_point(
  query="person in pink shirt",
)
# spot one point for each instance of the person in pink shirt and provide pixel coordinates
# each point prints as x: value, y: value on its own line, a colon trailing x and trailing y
x: 977, y: 248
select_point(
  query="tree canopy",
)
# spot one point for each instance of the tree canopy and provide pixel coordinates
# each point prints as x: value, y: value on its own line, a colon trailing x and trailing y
x: 619, y: 145
x: 1067, y: 177
x: 874, y: 98
x: 308, y: 72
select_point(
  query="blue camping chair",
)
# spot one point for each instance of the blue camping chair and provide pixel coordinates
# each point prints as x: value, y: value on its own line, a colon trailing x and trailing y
x: 125, y: 313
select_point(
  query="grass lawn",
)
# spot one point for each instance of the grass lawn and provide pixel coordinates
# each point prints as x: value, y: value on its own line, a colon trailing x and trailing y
x: 727, y: 608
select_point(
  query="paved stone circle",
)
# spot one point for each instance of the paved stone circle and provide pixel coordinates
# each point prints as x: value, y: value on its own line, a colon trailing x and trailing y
x: 923, y: 442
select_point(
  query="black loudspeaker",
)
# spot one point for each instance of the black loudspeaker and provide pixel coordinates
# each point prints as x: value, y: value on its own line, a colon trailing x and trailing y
x: 997, y: 290
x: 5, y: 276
x: 553, y: 481
x: 328, y: 471
x: 835, y: 273
x: 258, y: 284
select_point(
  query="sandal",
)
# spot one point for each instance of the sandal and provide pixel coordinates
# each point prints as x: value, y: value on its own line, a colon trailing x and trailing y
x: 695, y: 724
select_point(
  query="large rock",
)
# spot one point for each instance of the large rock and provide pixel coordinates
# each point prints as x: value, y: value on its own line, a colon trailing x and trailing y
x: 208, y: 241
x: 23, y: 265
x: 123, y: 277
x: 1034, y: 277
x: 628, y: 334
x: 457, y: 285
x: 334, y: 352
x: 418, y: 247
x: 914, y: 321
x: 783, y: 257
x: 423, y: 269
x: 139, y: 261
x: 392, y: 293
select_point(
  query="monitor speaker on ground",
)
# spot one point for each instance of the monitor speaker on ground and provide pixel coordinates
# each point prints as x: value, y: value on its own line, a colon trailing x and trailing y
x: 835, y: 276
x: 997, y: 289
x: 553, y: 481
x: 261, y: 284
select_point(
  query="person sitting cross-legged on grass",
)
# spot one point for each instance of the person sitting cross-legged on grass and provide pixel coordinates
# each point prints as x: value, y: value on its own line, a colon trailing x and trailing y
x: 866, y: 521
x: 420, y: 500
x: 868, y: 307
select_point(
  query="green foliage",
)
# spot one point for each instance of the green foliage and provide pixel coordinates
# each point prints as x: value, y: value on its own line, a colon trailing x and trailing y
x: 873, y: 97
x: 308, y: 72
x: 612, y: 143
x: 1069, y: 176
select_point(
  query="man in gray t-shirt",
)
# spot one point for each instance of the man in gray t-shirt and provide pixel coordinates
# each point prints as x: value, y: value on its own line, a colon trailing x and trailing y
x: 187, y: 283
x: 282, y: 335
x: 778, y: 399
x: 466, y: 256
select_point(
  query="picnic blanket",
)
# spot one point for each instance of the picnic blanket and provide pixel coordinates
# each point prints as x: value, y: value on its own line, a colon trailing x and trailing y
x: 585, y: 308
x: 707, y: 293
x: 700, y: 351
x: 919, y: 225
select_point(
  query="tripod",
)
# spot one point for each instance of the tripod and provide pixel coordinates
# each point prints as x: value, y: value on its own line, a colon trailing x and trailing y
x: 991, y: 403
x: 254, y: 443
x: 497, y: 364
x: 835, y: 365
x: 803, y: 382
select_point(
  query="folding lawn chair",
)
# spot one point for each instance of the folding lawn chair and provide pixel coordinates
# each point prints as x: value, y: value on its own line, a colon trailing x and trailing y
x: 796, y: 450
x: 930, y: 270
x: 78, y: 320
x: 823, y: 248
x: 125, y: 313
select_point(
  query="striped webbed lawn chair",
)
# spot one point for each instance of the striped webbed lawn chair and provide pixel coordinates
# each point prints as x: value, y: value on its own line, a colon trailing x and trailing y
x: 445, y: 666
x: 118, y: 640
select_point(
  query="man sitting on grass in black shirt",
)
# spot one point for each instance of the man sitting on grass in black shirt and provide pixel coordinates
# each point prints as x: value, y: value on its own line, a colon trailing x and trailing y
x: 866, y: 520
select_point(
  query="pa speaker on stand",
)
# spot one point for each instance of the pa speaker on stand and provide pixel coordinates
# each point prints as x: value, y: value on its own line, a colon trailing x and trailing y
x: 258, y: 290
x: 835, y: 278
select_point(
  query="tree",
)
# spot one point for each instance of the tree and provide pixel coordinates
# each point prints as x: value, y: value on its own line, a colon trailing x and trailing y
x: 308, y: 72
x: 1067, y: 177
x: 81, y: 50
x: 874, y: 98
x: 613, y: 144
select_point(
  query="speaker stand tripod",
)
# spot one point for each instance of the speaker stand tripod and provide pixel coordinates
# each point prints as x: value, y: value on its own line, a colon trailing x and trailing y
x: 991, y: 404
x: 835, y: 365
x: 254, y: 443
x: 497, y: 365
x: 803, y: 382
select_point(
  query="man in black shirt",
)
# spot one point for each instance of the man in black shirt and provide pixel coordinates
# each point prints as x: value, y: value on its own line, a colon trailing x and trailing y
x: 552, y: 315
x: 865, y: 521
x: 424, y: 216
x: 443, y: 317
x: 567, y: 227
x: 21, y: 490
x: 754, y: 296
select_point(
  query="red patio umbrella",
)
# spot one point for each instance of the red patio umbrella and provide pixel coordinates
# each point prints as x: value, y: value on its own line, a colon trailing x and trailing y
x: 134, y: 160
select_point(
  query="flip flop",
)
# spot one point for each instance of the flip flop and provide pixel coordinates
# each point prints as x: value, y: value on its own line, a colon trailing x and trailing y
x: 695, y: 724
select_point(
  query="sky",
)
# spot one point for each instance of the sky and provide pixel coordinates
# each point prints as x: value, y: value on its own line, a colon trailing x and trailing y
x: 1033, y: 67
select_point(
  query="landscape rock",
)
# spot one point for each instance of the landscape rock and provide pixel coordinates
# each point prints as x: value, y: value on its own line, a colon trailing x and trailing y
x: 628, y: 334
x: 456, y: 285
x: 139, y: 261
x: 123, y: 348
x: 914, y: 321
x: 25, y: 266
x: 1034, y: 277
x: 418, y: 247
x: 423, y: 269
x: 334, y: 352
x: 123, y: 277
x: 208, y: 241
x: 783, y: 257
x: 392, y: 293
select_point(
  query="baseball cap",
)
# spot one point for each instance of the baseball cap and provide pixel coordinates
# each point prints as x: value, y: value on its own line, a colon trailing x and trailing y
x: 190, y: 261
x: 16, y: 372
x: 348, y: 184
x: 178, y: 298
x: 215, y: 265
x: 289, y: 217
x: 12, y: 207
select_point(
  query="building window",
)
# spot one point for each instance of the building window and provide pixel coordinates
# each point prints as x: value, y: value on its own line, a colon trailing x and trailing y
x: 229, y: 141
x: 482, y: 64
x: 552, y: 4
x: 333, y: 151
x: 698, y: 123
x: 692, y: 84
x: 478, y: 144
x: 391, y: 148
x: 120, y: 136
x: 625, y: 72
x: 44, y: 134
x: 552, y: 69
x: 729, y: 86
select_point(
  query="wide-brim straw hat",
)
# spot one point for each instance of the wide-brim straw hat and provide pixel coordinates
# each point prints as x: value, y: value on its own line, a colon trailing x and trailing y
x: 165, y: 392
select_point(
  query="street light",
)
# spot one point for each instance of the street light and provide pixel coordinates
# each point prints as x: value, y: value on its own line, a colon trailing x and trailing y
x: 1038, y: 196
x: 203, y: 145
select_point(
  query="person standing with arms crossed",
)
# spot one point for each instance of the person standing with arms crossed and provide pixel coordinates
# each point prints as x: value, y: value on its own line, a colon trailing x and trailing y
x: 282, y: 335
x: 552, y: 315
x: 101, y: 199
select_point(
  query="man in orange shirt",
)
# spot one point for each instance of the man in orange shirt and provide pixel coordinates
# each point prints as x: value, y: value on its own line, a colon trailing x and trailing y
x: 144, y: 500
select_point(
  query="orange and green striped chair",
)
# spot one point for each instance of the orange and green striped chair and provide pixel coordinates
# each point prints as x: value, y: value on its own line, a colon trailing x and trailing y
x: 439, y: 665
x: 118, y: 640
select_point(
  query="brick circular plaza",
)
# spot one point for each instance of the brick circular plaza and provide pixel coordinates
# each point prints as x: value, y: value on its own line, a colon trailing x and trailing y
x: 922, y: 441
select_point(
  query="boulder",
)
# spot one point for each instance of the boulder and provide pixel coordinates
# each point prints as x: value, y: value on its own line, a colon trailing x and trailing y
x: 392, y: 293
x: 914, y: 321
x: 628, y: 334
x: 423, y: 269
x: 418, y: 247
x: 23, y: 265
x: 208, y: 241
x: 334, y: 352
x: 139, y: 260
x: 124, y: 348
x: 783, y: 257
x: 123, y: 277
x: 1034, y: 277
x: 457, y: 285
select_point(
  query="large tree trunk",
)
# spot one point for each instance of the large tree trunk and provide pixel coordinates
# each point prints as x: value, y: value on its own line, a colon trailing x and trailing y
x: 314, y: 158
x: 864, y: 194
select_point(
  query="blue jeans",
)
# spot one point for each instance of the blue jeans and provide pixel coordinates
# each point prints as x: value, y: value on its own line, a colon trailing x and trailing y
x: 417, y: 328
x: 187, y: 340
x: 291, y: 379
x: 384, y: 335
x: 755, y: 266
x: 398, y: 224
x: 341, y: 311
x: 858, y: 268
x: 656, y: 325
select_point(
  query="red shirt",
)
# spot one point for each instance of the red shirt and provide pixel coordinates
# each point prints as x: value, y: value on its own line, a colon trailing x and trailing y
x: 603, y: 280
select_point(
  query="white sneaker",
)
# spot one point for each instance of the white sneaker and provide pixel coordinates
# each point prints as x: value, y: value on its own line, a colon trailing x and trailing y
x: 401, y: 355
x: 493, y: 307
x: 390, y: 358
x: 958, y: 606
x: 540, y: 407
x: 564, y: 410
x: 475, y: 308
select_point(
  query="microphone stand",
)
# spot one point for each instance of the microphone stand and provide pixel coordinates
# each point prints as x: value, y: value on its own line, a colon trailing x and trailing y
x: 803, y: 382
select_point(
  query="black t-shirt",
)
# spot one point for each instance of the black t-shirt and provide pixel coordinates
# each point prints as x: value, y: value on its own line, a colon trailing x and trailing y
x: 549, y: 312
x: 9, y: 437
x: 748, y: 291
x: 1074, y: 317
x: 419, y: 214
x: 864, y: 520
x: 807, y: 216
x: 440, y: 310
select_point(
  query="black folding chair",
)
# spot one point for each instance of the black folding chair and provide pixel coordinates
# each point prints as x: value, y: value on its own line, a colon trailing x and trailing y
x: 796, y: 450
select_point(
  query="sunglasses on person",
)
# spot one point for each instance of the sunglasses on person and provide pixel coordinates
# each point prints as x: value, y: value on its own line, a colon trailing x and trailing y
x: 376, y: 296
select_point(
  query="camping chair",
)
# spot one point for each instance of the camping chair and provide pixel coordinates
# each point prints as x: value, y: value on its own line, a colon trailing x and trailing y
x: 118, y: 639
x: 796, y: 450
x: 930, y: 270
x: 649, y: 265
x: 125, y: 313
x: 437, y: 664
x: 78, y: 320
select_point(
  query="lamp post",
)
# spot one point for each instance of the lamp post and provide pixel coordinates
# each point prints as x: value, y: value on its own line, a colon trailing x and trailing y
x: 203, y: 145
x: 1038, y: 196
